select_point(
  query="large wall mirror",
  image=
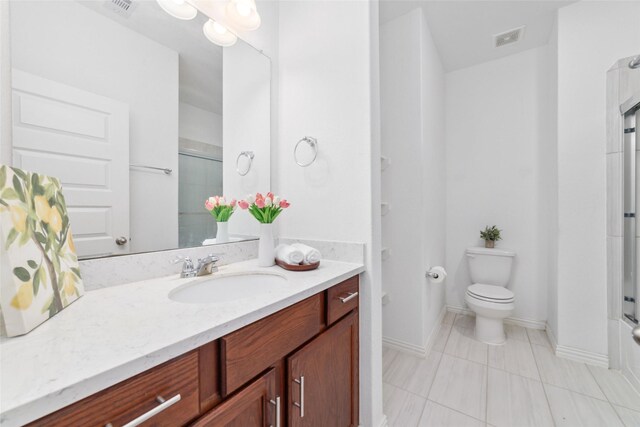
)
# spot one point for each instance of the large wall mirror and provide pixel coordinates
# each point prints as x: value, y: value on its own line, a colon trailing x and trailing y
x: 141, y: 117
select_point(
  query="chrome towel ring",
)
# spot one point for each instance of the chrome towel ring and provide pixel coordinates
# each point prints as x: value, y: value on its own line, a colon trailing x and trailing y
x: 313, y: 143
x: 249, y: 155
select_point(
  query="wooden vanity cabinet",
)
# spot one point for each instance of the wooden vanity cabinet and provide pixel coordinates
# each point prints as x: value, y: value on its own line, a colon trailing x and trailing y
x: 323, y: 378
x: 253, y: 406
x: 296, y: 367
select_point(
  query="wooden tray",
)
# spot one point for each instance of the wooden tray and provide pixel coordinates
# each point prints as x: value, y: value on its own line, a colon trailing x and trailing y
x: 294, y: 267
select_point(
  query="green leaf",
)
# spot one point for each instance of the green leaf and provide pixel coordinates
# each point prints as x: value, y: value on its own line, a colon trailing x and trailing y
x: 32, y: 264
x: 36, y: 282
x: 76, y: 271
x: 36, y: 188
x: 47, y: 305
x: 40, y: 237
x: 43, y: 276
x: 3, y: 176
x: 3, y: 203
x: 11, y: 237
x: 18, y: 187
x: 25, y: 237
x: 22, y: 274
x: 9, y: 194
x: 22, y: 174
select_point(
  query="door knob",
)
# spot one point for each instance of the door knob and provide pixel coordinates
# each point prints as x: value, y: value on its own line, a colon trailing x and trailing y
x: 121, y: 241
x: 635, y: 333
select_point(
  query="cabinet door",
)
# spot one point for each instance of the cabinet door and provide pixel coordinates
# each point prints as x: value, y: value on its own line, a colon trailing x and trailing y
x: 323, y: 378
x: 252, y: 406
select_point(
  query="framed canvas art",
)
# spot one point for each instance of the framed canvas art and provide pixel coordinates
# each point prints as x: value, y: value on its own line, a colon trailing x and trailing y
x: 40, y: 274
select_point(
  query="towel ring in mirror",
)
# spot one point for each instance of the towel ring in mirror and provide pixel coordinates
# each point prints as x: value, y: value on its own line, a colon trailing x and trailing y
x: 313, y: 143
x: 249, y: 155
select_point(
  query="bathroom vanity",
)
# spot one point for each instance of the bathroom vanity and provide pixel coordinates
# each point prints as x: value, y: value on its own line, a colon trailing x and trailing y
x: 289, y: 357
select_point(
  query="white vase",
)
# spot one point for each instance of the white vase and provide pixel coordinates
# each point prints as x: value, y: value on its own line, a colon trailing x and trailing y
x: 266, y: 249
x: 222, y: 235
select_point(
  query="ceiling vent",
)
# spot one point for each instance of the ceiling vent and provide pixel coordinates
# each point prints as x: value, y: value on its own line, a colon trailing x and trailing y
x: 508, y: 37
x: 123, y: 8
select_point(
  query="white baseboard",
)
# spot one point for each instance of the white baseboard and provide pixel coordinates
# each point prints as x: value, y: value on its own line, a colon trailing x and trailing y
x: 525, y: 323
x: 416, y: 350
x: 578, y: 355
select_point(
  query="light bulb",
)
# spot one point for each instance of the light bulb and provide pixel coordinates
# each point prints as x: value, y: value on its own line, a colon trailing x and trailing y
x: 242, y: 15
x: 178, y: 9
x: 218, y: 34
x: 219, y: 28
x: 243, y: 8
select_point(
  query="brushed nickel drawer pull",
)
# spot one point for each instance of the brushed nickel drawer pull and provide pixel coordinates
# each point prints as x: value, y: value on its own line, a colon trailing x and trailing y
x: 301, y: 404
x: 349, y: 297
x: 276, y: 403
x: 163, y: 404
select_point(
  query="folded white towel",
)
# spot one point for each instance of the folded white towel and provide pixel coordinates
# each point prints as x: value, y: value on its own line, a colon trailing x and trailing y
x: 289, y: 254
x: 311, y: 255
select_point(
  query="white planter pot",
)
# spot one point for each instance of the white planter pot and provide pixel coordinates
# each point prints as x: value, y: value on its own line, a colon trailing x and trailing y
x: 266, y: 248
x: 222, y: 235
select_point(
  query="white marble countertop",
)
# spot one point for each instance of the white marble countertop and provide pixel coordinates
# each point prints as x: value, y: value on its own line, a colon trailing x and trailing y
x: 111, y: 334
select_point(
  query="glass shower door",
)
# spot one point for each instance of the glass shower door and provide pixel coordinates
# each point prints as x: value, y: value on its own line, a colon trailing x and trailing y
x: 200, y: 178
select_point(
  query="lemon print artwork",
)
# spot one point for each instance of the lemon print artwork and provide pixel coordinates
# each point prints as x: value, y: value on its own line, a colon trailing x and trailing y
x: 39, y: 274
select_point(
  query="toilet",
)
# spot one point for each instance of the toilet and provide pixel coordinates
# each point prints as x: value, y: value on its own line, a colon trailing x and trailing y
x: 488, y: 296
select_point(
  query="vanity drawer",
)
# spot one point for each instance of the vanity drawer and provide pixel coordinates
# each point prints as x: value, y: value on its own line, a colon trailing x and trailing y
x: 134, y: 397
x: 341, y: 299
x: 247, y: 352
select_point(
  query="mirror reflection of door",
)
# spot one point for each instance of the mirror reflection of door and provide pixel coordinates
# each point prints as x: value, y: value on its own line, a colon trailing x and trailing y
x: 82, y: 139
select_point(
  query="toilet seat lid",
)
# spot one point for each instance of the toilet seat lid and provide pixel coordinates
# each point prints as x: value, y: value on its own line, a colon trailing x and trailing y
x: 490, y: 293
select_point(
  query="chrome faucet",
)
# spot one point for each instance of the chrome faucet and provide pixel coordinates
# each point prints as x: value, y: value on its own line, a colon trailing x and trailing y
x: 206, y: 266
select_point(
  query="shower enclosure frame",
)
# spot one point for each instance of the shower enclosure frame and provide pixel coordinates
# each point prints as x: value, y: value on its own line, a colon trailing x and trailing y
x: 623, y: 290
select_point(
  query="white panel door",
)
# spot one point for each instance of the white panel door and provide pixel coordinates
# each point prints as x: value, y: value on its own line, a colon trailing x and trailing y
x: 83, y: 139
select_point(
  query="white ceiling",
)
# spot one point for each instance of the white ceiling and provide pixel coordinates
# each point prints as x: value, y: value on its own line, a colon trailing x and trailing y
x: 463, y: 30
x: 200, y: 60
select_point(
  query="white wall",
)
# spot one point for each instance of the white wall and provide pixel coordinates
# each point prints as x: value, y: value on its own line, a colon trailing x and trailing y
x: 325, y: 91
x: 591, y: 37
x: 246, y: 86
x: 550, y: 182
x: 69, y: 43
x: 497, y: 126
x: 412, y: 99
x: 200, y: 125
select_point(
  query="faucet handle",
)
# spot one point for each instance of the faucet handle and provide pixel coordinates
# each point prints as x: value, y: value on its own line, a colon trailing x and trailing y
x: 209, y: 258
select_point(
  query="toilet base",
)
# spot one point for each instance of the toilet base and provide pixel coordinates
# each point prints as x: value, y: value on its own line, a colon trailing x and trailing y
x: 490, y: 331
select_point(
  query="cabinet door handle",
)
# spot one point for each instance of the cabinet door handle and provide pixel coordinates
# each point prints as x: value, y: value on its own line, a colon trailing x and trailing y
x: 301, y: 404
x: 276, y: 403
x: 349, y: 297
x: 163, y: 404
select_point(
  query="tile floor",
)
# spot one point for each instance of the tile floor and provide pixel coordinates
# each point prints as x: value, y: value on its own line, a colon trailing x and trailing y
x: 463, y: 382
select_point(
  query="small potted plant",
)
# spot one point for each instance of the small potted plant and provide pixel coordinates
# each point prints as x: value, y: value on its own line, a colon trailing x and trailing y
x: 490, y: 235
x: 221, y: 211
x: 265, y: 209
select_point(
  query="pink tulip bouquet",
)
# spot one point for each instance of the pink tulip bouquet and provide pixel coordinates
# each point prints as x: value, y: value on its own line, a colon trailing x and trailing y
x: 219, y: 208
x: 264, y: 208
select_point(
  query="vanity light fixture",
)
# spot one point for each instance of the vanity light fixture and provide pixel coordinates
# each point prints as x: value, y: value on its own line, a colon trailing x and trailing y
x: 178, y: 9
x: 218, y: 34
x: 243, y: 14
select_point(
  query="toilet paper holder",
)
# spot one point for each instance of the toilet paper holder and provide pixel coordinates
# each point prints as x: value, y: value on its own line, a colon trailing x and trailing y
x: 432, y: 275
x: 437, y: 273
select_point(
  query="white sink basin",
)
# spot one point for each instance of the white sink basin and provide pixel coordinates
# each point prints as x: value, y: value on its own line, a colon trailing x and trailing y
x: 221, y: 289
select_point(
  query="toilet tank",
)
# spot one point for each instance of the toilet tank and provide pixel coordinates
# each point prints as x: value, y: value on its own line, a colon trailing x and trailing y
x: 490, y: 266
